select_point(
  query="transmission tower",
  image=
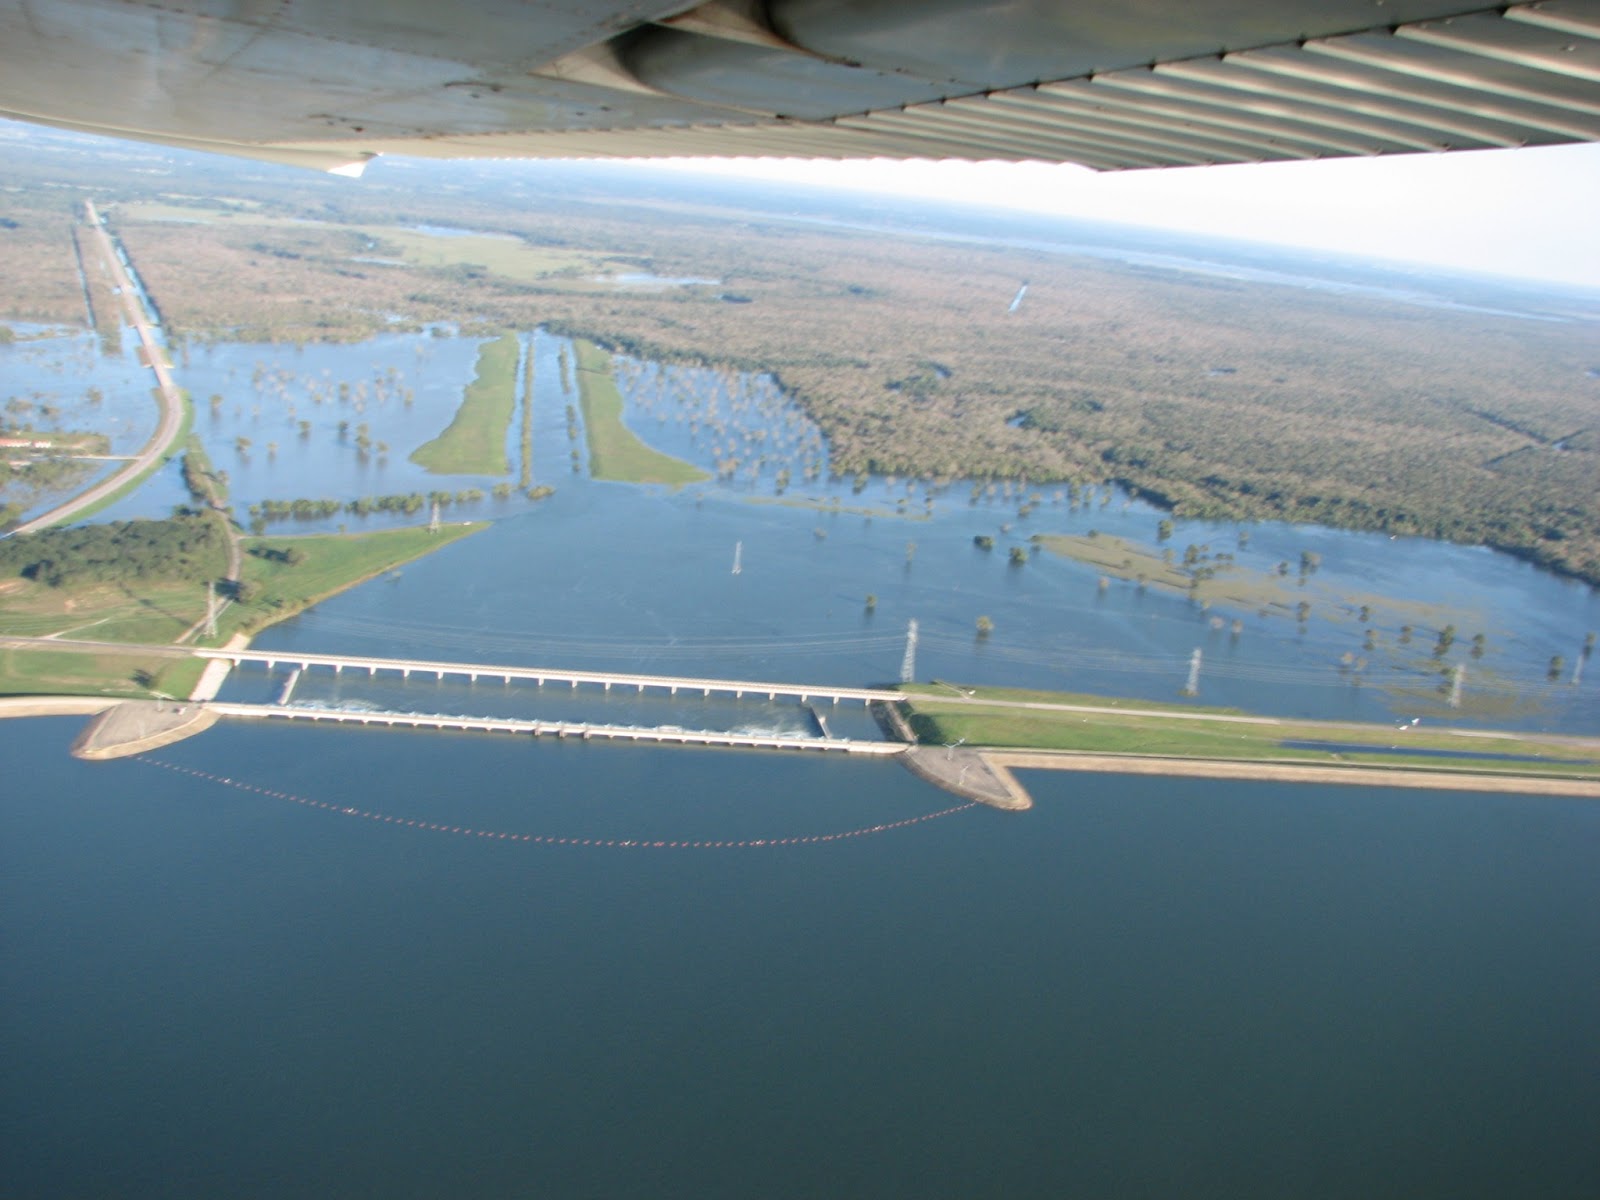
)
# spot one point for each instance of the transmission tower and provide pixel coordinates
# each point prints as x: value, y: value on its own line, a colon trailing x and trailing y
x: 1192, y: 688
x: 211, y: 610
x: 1455, y: 685
x: 908, y: 664
x: 433, y: 520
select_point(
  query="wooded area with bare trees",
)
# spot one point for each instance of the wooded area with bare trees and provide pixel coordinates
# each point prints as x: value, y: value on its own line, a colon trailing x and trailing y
x: 1213, y: 395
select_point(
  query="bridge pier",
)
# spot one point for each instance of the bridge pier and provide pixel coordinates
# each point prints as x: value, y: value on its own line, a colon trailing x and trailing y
x: 288, y: 687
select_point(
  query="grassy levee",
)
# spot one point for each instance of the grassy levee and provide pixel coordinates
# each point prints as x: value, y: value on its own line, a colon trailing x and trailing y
x: 328, y: 564
x: 1037, y: 696
x: 474, y: 443
x: 525, y: 481
x: 1212, y: 735
x: 614, y: 452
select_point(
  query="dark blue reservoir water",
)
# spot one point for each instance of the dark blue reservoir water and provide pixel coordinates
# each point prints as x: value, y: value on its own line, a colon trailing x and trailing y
x: 1138, y: 988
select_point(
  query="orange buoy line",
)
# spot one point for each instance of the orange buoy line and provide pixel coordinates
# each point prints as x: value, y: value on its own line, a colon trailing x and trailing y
x: 547, y: 840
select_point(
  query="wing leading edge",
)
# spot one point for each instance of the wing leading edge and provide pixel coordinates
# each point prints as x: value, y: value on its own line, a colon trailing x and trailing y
x: 1141, y: 83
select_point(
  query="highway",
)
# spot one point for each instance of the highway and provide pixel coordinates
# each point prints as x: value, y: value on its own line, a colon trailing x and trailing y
x: 171, y: 398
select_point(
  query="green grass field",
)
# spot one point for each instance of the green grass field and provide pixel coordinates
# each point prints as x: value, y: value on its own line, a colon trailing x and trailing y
x: 330, y: 563
x: 71, y: 673
x: 146, y: 611
x: 1242, y: 589
x: 474, y: 443
x: 157, y: 612
x: 940, y: 719
x: 614, y: 452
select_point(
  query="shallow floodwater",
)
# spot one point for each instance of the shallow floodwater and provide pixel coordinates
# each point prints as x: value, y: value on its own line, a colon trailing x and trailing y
x: 56, y: 378
x: 295, y: 961
x: 638, y: 578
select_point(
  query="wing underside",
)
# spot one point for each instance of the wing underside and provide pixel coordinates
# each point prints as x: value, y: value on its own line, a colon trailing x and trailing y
x: 1140, y: 83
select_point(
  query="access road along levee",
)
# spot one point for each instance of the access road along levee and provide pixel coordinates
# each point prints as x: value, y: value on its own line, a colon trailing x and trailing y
x: 171, y: 398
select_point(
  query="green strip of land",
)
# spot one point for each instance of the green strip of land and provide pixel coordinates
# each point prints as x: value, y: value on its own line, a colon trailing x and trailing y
x: 1217, y: 579
x: 995, y: 717
x: 474, y: 443
x: 614, y: 451
x: 127, y: 609
x: 283, y: 576
x: 76, y: 673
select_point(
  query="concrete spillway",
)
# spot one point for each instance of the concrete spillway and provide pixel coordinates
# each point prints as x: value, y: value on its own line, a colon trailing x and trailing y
x: 581, y: 731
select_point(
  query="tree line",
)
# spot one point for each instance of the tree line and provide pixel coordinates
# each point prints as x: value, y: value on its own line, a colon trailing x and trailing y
x: 185, y: 546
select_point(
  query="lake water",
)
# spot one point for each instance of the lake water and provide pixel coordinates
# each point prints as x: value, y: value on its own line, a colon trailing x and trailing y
x: 1138, y: 988
x: 218, y: 979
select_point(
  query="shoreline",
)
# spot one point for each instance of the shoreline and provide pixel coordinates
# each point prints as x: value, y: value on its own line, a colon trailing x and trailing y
x: 996, y: 785
x: 1003, y: 761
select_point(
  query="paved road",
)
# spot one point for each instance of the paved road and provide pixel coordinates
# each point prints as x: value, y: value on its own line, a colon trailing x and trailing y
x: 171, y: 399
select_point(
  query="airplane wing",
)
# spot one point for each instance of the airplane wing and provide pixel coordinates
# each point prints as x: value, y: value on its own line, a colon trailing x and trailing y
x: 1110, y: 84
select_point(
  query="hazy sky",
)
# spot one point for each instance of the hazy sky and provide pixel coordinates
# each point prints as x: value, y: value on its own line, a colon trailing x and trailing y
x: 1531, y: 213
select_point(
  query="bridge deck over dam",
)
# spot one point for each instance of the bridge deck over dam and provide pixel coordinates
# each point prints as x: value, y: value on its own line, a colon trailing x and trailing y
x: 581, y: 730
x: 672, y: 684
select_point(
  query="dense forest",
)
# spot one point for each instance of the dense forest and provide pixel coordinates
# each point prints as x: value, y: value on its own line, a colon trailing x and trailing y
x: 1214, y: 395
x: 186, y: 546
